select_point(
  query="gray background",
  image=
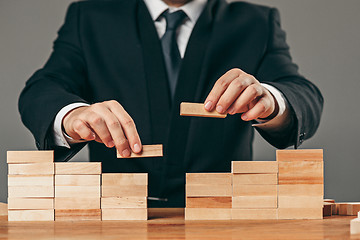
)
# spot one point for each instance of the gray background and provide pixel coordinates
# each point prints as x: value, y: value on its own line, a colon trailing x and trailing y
x: 323, y: 36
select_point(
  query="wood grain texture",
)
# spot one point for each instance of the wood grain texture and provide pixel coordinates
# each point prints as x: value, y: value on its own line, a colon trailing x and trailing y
x: 301, y: 172
x: 30, y: 180
x: 124, y: 202
x: 30, y: 156
x: 355, y: 226
x: 31, y: 215
x: 30, y: 191
x: 299, y: 155
x: 3, y: 209
x: 147, y: 151
x: 255, y: 202
x: 207, y: 214
x: 301, y: 190
x: 254, y: 167
x: 125, y: 191
x: 255, y: 190
x: 327, y: 209
x: 31, y: 169
x: 77, y: 203
x: 208, y: 202
x: 349, y: 208
x: 198, y: 110
x: 116, y: 179
x: 254, y: 214
x: 30, y: 203
x: 300, y: 213
x: 125, y: 214
x: 78, y: 168
x: 77, y: 191
x: 257, y: 179
x: 208, y: 178
x: 300, y: 201
x: 77, y: 180
x: 77, y: 214
x: 208, y: 190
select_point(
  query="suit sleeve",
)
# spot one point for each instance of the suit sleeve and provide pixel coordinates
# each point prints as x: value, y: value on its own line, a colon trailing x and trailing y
x: 60, y: 82
x: 304, y: 98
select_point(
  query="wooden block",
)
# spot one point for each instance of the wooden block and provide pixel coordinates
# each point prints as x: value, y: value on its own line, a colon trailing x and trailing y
x: 30, y: 203
x: 30, y: 191
x: 147, y: 151
x: 299, y: 155
x: 116, y: 179
x: 3, y: 209
x: 342, y: 209
x: 254, y: 202
x: 198, y: 110
x: 349, y: 209
x: 125, y: 191
x: 329, y: 200
x: 327, y: 209
x: 31, y: 169
x: 254, y: 214
x: 30, y: 156
x: 30, y: 180
x: 300, y: 213
x: 208, y: 178
x: 301, y: 190
x: 255, y: 190
x: 78, y: 191
x: 124, y: 202
x: 301, y: 172
x: 77, y: 180
x: 254, y: 167
x: 258, y: 179
x: 208, y: 190
x: 31, y: 215
x: 77, y: 168
x: 207, y: 214
x: 355, y: 226
x: 124, y: 214
x: 300, y: 202
x: 77, y: 203
x: 77, y: 214
x: 208, y: 202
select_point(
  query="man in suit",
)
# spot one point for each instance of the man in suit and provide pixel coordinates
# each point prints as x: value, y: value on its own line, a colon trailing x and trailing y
x: 120, y: 69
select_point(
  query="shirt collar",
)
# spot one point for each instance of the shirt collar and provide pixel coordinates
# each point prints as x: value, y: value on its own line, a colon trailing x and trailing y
x: 192, y: 9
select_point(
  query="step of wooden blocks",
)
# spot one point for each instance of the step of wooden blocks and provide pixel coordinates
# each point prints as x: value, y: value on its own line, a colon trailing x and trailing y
x: 124, y: 214
x: 254, y: 167
x: 299, y: 155
x: 77, y: 214
x: 254, y: 214
x: 147, y: 151
x: 207, y: 213
x: 78, y: 168
x: 208, y: 202
x: 198, y: 110
x: 30, y: 157
x: 31, y: 215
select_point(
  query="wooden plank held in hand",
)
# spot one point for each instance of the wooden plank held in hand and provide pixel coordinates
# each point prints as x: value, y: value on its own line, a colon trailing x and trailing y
x: 30, y: 156
x: 198, y: 110
x: 147, y: 151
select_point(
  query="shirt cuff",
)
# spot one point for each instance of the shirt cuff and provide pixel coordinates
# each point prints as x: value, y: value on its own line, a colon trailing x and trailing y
x: 282, y: 118
x: 61, y: 139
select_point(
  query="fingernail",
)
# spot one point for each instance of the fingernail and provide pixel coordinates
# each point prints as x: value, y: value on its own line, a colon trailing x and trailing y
x: 126, y: 153
x: 93, y: 135
x: 231, y: 110
x: 219, y: 109
x: 208, y: 105
x: 111, y: 144
x: 137, y: 148
x: 244, y: 117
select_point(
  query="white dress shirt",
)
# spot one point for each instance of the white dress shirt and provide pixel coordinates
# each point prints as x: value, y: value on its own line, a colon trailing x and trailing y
x: 193, y: 11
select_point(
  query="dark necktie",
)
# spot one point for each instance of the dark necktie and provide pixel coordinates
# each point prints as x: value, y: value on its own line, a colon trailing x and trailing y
x: 170, y: 48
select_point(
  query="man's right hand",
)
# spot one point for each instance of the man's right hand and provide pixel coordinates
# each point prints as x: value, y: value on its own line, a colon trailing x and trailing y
x: 105, y: 122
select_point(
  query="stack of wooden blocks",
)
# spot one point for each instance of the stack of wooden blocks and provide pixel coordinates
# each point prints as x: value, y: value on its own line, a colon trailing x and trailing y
x: 30, y: 186
x: 77, y: 191
x: 124, y: 196
x: 208, y: 196
x: 254, y: 190
x: 290, y: 188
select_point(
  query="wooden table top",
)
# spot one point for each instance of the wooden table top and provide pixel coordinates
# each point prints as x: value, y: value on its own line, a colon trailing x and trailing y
x: 170, y: 224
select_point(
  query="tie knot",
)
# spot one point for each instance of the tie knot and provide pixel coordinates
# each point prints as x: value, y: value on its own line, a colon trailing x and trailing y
x: 173, y: 20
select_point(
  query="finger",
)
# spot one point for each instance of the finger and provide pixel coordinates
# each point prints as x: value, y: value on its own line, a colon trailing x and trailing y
x: 83, y: 130
x: 128, y: 126
x: 232, y: 93
x: 252, y: 92
x: 257, y: 111
x: 98, y: 124
x: 219, y: 88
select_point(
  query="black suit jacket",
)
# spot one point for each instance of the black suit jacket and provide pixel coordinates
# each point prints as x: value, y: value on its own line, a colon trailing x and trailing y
x: 110, y: 50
